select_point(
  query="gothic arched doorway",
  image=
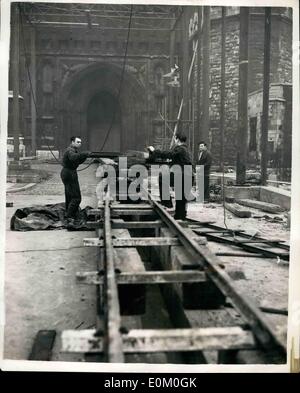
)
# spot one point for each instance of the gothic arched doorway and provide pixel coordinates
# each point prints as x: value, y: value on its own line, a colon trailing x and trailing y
x: 91, y: 96
x: 104, y: 122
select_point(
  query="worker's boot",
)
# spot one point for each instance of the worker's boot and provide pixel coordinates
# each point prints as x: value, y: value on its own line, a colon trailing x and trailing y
x: 70, y: 223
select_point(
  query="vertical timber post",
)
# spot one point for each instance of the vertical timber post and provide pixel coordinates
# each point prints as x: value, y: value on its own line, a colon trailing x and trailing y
x: 266, y: 87
x: 206, y: 73
x: 242, y: 136
x: 15, y: 79
x: 172, y: 62
x: 222, y: 104
x: 33, y: 93
x: 199, y: 65
x: 185, y: 71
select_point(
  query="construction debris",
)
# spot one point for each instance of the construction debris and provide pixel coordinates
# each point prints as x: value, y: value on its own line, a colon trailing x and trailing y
x: 237, y: 210
x: 264, y: 206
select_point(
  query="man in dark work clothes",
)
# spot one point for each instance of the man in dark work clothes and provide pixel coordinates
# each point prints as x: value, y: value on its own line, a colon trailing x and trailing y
x: 205, y: 159
x: 180, y: 157
x: 72, y: 158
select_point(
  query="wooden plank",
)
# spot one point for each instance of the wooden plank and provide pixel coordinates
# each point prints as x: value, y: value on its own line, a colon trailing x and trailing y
x: 140, y: 242
x: 237, y: 210
x: 131, y: 212
x: 167, y: 340
x: 132, y: 206
x: 127, y: 224
x: 137, y: 224
x: 150, y: 277
x: 42, y: 345
x: 264, y: 206
x: 125, y: 206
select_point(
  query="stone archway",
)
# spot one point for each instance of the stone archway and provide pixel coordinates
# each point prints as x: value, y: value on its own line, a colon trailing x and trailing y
x: 99, y: 85
x: 104, y: 128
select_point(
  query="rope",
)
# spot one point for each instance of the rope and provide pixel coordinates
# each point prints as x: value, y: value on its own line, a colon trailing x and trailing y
x: 120, y: 87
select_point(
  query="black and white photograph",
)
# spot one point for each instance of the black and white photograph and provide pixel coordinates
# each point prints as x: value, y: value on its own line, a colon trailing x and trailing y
x: 151, y: 200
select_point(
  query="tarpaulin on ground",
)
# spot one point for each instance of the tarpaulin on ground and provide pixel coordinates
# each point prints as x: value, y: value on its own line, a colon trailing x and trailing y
x: 47, y: 217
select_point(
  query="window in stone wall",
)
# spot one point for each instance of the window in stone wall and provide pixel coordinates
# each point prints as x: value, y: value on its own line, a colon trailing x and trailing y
x: 48, y: 104
x: 63, y: 44
x: 47, y: 138
x: 159, y: 104
x: 95, y: 44
x: 47, y: 78
x: 215, y: 12
x: 270, y: 148
x: 78, y: 44
x: 45, y: 44
x: 159, y: 48
x: 232, y: 10
x: 159, y: 81
x: 288, y: 12
x: 111, y: 46
x: 130, y: 47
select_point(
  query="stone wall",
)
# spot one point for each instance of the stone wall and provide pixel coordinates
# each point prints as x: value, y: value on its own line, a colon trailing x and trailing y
x: 62, y: 52
x: 281, y: 68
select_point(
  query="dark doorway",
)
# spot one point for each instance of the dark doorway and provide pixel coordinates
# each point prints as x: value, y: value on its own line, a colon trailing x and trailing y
x: 104, y: 123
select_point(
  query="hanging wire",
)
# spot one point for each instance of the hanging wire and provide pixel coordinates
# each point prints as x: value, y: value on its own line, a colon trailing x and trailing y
x: 122, y: 75
x: 120, y: 87
x: 119, y: 91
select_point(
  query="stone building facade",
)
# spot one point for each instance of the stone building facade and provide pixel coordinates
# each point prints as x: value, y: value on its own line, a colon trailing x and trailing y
x: 279, y: 135
x: 84, y: 84
x: 280, y: 70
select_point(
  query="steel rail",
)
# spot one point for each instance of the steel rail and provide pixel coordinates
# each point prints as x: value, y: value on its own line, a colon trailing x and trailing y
x: 260, y: 326
x: 239, y: 233
x: 113, y: 342
x: 246, y: 245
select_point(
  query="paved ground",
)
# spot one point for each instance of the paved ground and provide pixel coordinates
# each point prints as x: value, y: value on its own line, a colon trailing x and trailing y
x: 40, y: 267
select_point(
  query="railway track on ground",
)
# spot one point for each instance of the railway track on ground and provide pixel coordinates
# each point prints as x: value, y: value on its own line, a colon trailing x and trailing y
x: 255, y: 245
x: 192, y: 281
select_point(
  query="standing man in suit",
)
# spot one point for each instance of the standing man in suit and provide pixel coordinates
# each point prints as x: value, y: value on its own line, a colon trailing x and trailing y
x: 180, y: 157
x: 205, y: 159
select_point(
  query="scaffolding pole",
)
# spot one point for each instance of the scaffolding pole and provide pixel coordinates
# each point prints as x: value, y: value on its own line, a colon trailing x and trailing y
x: 206, y: 73
x: 181, y: 103
x: 242, y: 136
x: 222, y: 104
x: 15, y: 80
x: 185, y: 74
x: 199, y: 56
x: 266, y: 87
x: 33, y: 95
